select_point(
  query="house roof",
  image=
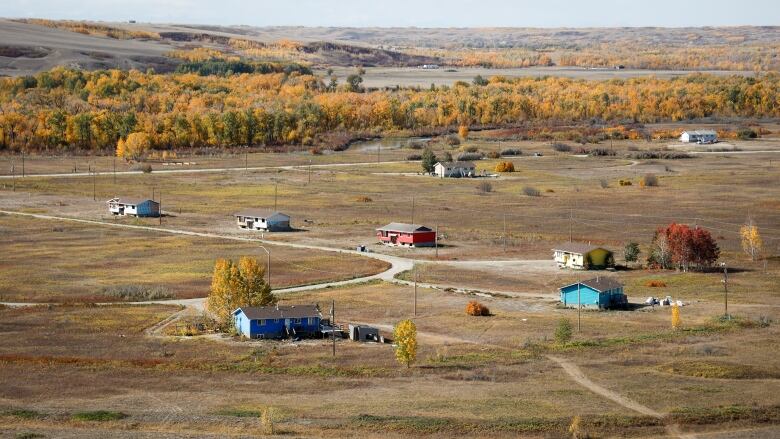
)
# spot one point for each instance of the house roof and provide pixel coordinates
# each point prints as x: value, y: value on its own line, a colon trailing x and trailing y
x: 599, y: 284
x: 579, y: 248
x: 280, y: 312
x: 260, y: 213
x: 403, y: 227
x: 702, y: 132
x: 450, y: 165
x: 134, y: 201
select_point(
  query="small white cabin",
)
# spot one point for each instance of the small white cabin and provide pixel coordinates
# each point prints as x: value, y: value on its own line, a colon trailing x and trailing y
x: 261, y: 219
x: 134, y: 207
x: 699, y: 136
x: 455, y: 169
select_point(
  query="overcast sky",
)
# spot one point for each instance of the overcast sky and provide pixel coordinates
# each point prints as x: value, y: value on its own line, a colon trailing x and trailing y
x: 421, y: 13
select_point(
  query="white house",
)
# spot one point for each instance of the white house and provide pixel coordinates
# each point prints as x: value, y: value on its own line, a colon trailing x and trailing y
x: 134, y: 207
x: 699, y: 136
x: 455, y: 169
x: 582, y: 256
x: 262, y: 219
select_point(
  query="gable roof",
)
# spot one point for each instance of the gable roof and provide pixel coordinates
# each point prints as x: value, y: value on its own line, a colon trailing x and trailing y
x: 279, y: 312
x: 450, y: 165
x: 403, y: 227
x: 702, y: 132
x: 133, y: 201
x: 579, y: 248
x: 599, y: 284
x: 260, y: 213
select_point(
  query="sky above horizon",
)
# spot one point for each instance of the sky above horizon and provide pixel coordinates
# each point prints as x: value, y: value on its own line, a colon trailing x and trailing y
x: 402, y: 13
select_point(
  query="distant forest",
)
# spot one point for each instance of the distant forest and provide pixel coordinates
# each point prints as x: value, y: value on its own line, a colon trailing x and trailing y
x: 66, y: 109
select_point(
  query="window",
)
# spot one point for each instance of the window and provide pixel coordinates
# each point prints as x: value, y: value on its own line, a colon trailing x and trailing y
x: 312, y: 320
x: 261, y: 322
x: 297, y: 321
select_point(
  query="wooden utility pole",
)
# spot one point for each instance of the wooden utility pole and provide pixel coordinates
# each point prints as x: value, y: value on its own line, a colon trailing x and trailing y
x: 436, y: 242
x: 579, y: 308
x: 309, y: 171
x: 276, y: 193
x: 246, y: 162
x: 94, y: 185
x: 725, y: 290
x: 152, y: 193
x: 415, y: 292
x: 571, y: 220
x: 160, y: 206
x: 378, y: 152
x: 13, y: 175
x: 114, y: 170
x: 333, y: 324
x: 504, y: 233
x: 22, y: 163
x: 412, y: 210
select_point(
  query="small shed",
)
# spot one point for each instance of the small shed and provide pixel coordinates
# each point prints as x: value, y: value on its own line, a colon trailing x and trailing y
x: 363, y: 333
x: 455, y: 169
x: 262, y: 219
x: 411, y: 235
x: 582, y: 256
x: 599, y: 292
x: 277, y: 321
x: 140, y: 207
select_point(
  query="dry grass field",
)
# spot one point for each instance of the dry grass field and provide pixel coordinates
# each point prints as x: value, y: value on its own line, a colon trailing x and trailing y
x: 83, y: 370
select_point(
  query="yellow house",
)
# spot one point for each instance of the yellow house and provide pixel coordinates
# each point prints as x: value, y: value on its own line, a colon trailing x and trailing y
x: 582, y: 256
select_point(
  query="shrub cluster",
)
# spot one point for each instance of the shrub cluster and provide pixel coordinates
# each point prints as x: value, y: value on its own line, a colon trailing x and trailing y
x: 601, y: 152
x: 625, y: 182
x: 666, y: 155
x: 364, y: 199
x: 137, y: 292
x: 485, y: 187
x: 561, y: 147
x: 493, y: 155
x: 505, y: 167
x: 475, y: 308
x: 532, y: 191
x: 469, y: 156
x: 655, y: 284
x: 414, y: 157
x: 649, y: 180
x: 511, y: 151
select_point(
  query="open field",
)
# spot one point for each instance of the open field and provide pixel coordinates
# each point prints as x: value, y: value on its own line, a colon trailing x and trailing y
x: 100, y: 258
x: 487, y: 376
x: 381, y: 77
x: 628, y: 373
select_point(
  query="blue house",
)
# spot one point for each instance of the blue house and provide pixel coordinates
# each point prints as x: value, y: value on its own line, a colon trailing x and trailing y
x: 277, y: 321
x: 599, y: 292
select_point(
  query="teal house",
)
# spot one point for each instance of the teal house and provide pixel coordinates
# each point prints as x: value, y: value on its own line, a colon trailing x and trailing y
x: 598, y: 293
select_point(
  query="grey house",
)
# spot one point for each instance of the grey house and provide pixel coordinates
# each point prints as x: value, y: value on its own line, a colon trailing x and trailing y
x: 262, y: 219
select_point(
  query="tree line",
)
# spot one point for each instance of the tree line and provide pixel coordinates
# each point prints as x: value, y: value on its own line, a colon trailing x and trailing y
x: 65, y: 109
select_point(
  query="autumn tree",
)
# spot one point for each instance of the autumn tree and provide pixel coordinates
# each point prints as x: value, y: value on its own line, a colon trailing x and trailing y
x: 120, y: 148
x: 235, y: 285
x: 563, y: 331
x: 752, y: 243
x: 676, y: 319
x: 678, y: 245
x: 428, y: 160
x: 405, y: 337
x: 136, y: 145
x: 463, y: 131
x: 631, y: 252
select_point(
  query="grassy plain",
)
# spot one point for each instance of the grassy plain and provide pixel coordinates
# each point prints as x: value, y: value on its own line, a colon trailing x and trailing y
x: 92, y: 371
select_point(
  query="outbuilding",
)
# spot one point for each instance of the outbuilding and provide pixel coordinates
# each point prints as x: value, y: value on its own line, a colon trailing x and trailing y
x: 411, y: 235
x: 699, y: 136
x: 277, y: 321
x: 140, y: 207
x: 582, y: 256
x: 363, y: 333
x: 599, y: 292
x: 262, y: 219
x: 455, y: 169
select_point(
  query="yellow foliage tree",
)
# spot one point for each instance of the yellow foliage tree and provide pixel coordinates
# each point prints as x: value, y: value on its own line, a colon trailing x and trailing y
x: 237, y: 285
x: 505, y: 167
x: 463, y: 131
x: 137, y: 145
x: 676, y: 320
x: 752, y: 243
x: 120, y: 148
x: 405, y: 335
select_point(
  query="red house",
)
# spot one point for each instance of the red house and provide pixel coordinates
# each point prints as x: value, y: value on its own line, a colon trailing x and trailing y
x: 412, y: 235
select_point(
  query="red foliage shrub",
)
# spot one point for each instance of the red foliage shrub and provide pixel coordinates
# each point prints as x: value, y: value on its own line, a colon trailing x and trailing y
x: 475, y: 308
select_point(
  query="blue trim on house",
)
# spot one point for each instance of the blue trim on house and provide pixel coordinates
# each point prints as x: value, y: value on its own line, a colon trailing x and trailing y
x: 591, y: 298
x: 276, y: 327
